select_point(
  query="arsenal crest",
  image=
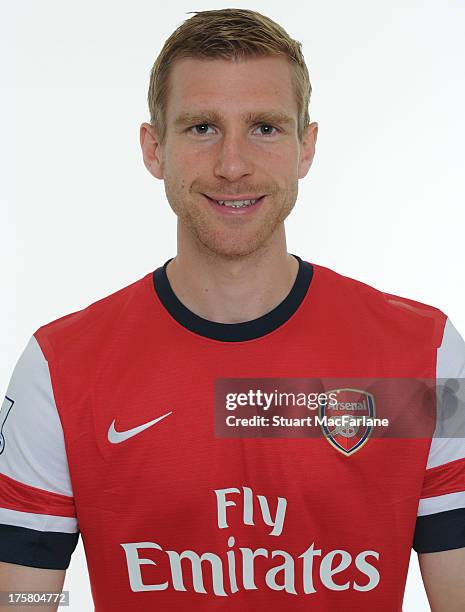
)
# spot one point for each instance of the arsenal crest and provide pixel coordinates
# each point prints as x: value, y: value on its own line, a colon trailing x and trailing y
x: 347, y: 423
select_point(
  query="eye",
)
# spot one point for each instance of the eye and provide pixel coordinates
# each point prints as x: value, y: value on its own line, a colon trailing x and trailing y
x: 199, y: 125
x: 267, y: 125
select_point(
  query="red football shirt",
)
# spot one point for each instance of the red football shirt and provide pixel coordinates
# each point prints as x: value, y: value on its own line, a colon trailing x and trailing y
x: 108, y: 431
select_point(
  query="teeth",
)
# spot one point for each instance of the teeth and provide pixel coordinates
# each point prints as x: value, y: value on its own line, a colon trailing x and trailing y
x: 236, y: 203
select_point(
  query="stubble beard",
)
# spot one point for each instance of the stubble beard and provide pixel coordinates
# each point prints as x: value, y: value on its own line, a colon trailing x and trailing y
x: 226, y: 243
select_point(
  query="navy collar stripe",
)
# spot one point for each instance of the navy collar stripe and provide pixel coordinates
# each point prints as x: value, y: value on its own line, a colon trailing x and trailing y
x: 234, y: 332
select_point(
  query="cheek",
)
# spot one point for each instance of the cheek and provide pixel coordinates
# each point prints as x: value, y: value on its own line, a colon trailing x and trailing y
x: 180, y: 177
x: 176, y: 168
x: 284, y: 154
x: 282, y: 166
x: 187, y: 163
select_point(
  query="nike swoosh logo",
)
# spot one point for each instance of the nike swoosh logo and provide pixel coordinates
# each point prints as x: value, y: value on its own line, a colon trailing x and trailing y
x: 115, y: 437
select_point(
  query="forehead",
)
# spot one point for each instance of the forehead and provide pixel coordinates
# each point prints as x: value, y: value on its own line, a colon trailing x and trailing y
x: 233, y: 85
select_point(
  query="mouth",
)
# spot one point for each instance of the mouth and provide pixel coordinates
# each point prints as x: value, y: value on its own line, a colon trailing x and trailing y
x: 237, y: 204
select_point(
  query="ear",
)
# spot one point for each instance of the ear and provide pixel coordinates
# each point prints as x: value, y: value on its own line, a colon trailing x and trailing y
x: 307, y: 149
x: 151, y: 150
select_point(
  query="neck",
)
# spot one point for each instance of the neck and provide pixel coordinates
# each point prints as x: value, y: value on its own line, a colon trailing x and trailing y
x: 226, y: 290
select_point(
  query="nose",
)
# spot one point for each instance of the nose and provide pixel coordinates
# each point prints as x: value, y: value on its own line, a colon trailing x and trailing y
x: 234, y: 159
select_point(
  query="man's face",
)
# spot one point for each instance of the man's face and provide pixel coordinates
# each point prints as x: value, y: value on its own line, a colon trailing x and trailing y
x: 231, y: 133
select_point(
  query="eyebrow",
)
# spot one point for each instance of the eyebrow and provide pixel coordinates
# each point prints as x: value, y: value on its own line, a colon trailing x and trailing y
x: 210, y: 116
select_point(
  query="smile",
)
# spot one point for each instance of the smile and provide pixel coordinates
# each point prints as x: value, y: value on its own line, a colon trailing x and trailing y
x: 242, y: 203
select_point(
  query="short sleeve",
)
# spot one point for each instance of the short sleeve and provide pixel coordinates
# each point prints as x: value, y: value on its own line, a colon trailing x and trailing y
x: 441, y: 512
x: 38, y: 522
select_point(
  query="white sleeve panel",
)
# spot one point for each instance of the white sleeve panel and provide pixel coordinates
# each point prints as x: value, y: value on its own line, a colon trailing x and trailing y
x: 33, y: 448
x: 445, y: 451
x: 450, y: 364
x: 38, y: 522
x: 451, y: 354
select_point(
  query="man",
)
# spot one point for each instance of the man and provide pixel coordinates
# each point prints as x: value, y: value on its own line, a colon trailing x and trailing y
x: 112, y: 424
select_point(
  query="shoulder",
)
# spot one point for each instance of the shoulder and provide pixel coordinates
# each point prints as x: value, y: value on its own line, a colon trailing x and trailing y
x: 93, y: 323
x: 374, y: 306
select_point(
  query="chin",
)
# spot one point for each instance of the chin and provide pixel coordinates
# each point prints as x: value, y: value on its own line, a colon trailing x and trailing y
x: 231, y: 249
x: 222, y: 241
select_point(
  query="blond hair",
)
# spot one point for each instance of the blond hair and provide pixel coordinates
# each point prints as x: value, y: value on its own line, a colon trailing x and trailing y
x: 229, y: 33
